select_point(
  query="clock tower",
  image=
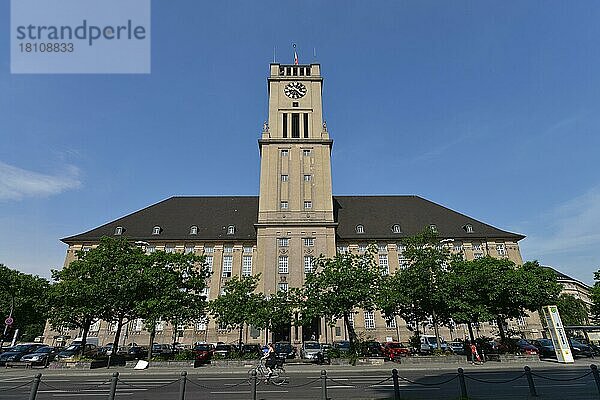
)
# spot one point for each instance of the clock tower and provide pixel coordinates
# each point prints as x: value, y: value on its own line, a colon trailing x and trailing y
x: 295, y: 215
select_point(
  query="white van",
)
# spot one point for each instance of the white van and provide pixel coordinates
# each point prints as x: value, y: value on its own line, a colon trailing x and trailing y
x: 429, y: 344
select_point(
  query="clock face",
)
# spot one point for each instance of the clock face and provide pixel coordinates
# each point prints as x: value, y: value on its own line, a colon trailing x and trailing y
x: 295, y: 90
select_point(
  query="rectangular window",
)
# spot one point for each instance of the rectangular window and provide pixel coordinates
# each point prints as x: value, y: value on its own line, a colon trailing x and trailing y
x: 351, y: 319
x: 227, y: 266
x: 477, y: 255
x: 308, y: 264
x: 383, y: 264
x: 284, y: 205
x: 390, y: 323
x: 95, y: 327
x: 306, y: 152
x: 501, y: 249
x: 246, y: 265
x: 403, y: 262
x: 283, y: 264
x: 382, y: 247
x: 138, y: 325
x: 477, y: 246
x: 209, y: 249
x: 206, y: 292
x: 369, y: 320
x: 343, y: 249
x: 247, y: 249
x: 169, y: 248
x: 209, y: 263
x: 227, y: 249
x: 362, y: 248
x: 285, y: 153
x: 150, y: 249
x: 309, y: 241
x: 282, y: 287
x: 295, y: 125
x: 285, y: 130
x: 308, y: 204
x: 201, y: 325
x: 306, y: 125
x: 284, y: 178
x: 189, y: 249
x: 307, y: 178
x: 283, y: 242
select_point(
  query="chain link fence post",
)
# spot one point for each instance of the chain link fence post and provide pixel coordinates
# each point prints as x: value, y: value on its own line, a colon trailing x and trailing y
x: 113, y: 386
x: 396, y: 384
x: 323, y: 385
x: 530, y: 382
x: 594, y: 368
x: 34, y: 386
x: 182, y: 382
x: 254, y: 383
x: 462, y: 384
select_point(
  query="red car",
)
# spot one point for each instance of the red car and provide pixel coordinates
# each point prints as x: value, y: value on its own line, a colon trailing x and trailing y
x: 203, y: 352
x: 394, y: 350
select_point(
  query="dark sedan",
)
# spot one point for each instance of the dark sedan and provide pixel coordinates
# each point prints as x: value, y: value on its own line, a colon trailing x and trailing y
x: 580, y: 350
x: 74, y: 350
x: 372, y: 349
x: 41, y: 356
x: 284, y: 350
x: 19, y: 351
x: 545, y: 348
x: 203, y: 353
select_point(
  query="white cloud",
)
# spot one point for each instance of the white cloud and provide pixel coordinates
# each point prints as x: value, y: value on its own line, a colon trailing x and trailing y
x: 17, y: 183
x: 571, y: 227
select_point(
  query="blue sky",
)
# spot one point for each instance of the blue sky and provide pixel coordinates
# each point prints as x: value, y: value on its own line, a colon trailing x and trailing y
x: 488, y: 107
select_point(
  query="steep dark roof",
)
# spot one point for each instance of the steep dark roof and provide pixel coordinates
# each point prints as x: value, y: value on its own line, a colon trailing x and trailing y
x: 212, y: 216
x: 564, y: 277
x: 378, y: 214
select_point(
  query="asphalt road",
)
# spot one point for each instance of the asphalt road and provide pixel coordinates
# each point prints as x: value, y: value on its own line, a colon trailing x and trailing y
x: 368, y: 383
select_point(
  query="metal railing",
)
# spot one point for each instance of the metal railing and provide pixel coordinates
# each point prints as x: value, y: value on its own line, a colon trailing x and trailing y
x: 462, y: 388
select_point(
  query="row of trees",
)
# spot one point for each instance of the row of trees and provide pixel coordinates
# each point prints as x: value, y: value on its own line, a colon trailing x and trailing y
x: 117, y: 281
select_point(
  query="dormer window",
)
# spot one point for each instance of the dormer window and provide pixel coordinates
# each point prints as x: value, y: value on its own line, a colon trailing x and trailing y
x: 433, y: 228
x: 231, y: 229
x: 193, y: 230
x: 359, y: 229
x: 396, y: 228
x: 468, y: 228
x: 156, y: 230
x: 118, y: 230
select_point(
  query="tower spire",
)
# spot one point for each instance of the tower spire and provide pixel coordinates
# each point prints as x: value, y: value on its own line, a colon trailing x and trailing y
x: 295, y: 55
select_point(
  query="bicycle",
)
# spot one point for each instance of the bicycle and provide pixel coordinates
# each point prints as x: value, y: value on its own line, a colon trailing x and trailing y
x: 278, y: 376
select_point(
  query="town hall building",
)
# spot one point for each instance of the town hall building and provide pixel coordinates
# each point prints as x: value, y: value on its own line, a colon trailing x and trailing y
x: 294, y: 219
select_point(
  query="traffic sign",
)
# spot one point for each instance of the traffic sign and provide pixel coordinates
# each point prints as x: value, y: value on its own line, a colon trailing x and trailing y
x: 9, y: 321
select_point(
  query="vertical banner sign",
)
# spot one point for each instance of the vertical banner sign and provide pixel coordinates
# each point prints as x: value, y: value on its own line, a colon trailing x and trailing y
x: 557, y: 333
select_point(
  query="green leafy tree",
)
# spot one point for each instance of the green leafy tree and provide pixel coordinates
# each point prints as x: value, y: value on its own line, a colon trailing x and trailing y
x: 573, y: 311
x: 340, y: 285
x: 595, y: 298
x: 239, y: 304
x: 175, y: 283
x: 516, y: 290
x: 25, y: 298
x: 276, y: 311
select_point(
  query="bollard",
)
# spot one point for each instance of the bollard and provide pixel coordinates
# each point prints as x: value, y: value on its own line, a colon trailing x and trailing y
x: 254, y: 382
x: 396, y: 384
x: 113, y: 386
x: 108, y: 361
x: 182, y: 385
x: 462, y: 384
x: 532, y: 390
x: 323, y: 385
x: 35, y: 386
x: 594, y: 368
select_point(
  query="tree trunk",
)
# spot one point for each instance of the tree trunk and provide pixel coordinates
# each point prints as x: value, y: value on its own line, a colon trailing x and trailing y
x: 176, y: 323
x: 351, y: 332
x: 115, y: 347
x: 437, y: 331
x: 500, y: 322
x: 471, y: 335
x: 240, y: 338
x: 152, y: 337
x: 86, y: 328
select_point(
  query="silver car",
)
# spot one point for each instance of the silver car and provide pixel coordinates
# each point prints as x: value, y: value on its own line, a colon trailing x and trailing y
x: 310, y: 350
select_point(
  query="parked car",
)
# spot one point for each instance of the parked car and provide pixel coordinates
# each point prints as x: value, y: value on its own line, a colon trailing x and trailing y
x: 545, y: 348
x: 429, y: 344
x: 203, y: 352
x: 163, y: 349
x: 458, y: 347
x: 41, y: 356
x: 526, y: 348
x: 343, y: 346
x: 579, y: 349
x: 252, y: 350
x: 224, y: 350
x: 137, y: 352
x: 310, y: 350
x: 19, y: 351
x: 91, y: 350
x: 372, y: 349
x: 394, y: 350
x: 284, y: 350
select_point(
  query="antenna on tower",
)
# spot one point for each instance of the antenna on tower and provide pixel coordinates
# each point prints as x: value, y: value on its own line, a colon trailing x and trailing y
x: 274, y: 54
x: 295, y: 54
x: 314, y: 54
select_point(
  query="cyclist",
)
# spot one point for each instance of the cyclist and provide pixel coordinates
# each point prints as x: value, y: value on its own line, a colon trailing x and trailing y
x: 270, y: 358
